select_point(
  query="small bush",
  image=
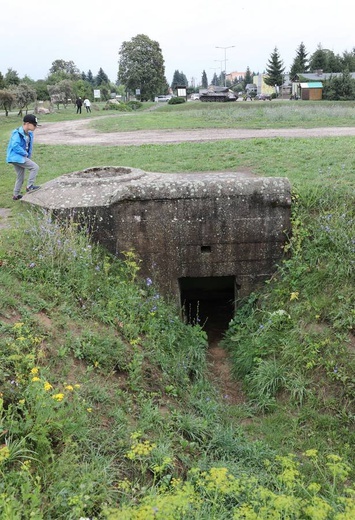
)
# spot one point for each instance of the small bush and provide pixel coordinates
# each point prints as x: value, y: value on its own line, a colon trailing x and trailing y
x: 121, y: 107
x: 176, y: 101
x: 134, y: 105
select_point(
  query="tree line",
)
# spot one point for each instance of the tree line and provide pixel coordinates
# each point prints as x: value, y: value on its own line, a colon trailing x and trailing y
x: 339, y: 86
x: 141, y: 72
x: 63, y: 84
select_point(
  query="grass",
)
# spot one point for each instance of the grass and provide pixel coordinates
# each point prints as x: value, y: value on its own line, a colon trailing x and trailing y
x: 106, y: 407
x: 258, y: 114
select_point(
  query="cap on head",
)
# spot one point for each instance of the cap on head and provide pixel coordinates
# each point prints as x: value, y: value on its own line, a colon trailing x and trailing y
x: 30, y: 118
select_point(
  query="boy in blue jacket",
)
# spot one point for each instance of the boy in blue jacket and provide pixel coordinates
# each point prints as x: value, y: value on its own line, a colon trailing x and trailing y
x: 19, y: 151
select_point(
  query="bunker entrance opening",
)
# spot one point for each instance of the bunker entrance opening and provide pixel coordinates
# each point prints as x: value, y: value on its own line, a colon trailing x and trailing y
x: 210, y: 302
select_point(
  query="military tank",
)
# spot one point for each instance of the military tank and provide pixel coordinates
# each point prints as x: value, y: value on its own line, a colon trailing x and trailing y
x: 214, y: 93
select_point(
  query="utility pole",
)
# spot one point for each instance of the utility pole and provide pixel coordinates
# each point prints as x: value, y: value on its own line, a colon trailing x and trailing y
x: 225, y: 61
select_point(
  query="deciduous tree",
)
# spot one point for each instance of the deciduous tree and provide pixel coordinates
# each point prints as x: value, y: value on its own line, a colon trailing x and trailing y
x: 141, y: 66
x: 7, y: 100
x: 11, y: 78
x: 66, y: 67
x: 24, y: 95
x: 61, y: 92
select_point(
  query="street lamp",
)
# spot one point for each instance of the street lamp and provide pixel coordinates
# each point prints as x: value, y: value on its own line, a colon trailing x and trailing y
x: 225, y: 61
x: 220, y: 77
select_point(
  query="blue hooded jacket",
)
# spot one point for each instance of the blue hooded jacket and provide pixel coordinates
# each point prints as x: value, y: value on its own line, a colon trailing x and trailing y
x: 16, y: 150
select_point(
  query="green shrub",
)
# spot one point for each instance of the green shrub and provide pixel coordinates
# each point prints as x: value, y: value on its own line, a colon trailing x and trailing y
x: 134, y: 105
x: 176, y: 100
x: 121, y: 107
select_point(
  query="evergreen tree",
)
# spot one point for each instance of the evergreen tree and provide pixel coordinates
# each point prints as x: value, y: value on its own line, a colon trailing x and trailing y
x: 300, y: 62
x: 204, y: 80
x: 325, y: 60
x: 184, y: 80
x: 348, y: 61
x: 179, y: 79
x: 335, y: 63
x: 339, y: 88
x: 141, y: 65
x: 318, y: 60
x: 176, y: 79
x: 215, y: 80
x: 90, y: 77
x: 101, y: 78
x: 248, y: 78
x: 221, y: 78
x: 275, y: 69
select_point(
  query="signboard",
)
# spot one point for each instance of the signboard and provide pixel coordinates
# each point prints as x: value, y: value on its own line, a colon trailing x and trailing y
x: 181, y: 90
x: 138, y: 91
x: 97, y: 94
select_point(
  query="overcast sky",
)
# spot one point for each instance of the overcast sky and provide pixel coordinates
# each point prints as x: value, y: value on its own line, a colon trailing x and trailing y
x: 34, y: 34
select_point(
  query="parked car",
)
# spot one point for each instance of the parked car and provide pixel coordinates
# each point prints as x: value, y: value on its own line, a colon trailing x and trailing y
x: 263, y: 97
x: 195, y: 97
x: 162, y: 98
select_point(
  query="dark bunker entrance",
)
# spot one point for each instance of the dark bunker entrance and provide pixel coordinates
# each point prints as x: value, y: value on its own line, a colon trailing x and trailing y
x: 210, y: 302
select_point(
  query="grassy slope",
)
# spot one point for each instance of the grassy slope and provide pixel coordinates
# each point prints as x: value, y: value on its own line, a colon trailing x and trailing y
x: 140, y: 370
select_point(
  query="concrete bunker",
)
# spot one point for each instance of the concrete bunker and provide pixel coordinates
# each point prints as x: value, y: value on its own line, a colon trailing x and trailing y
x: 201, y: 237
x: 208, y: 301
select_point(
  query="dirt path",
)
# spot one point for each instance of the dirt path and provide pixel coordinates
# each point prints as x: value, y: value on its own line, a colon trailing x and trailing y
x: 78, y: 132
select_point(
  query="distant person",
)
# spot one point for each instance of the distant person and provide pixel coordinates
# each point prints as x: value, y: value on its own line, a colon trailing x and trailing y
x: 19, y: 151
x: 87, y: 105
x: 79, y: 104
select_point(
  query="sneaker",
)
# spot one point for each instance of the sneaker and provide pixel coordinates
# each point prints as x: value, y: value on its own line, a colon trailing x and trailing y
x: 17, y: 197
x: 32, y: 188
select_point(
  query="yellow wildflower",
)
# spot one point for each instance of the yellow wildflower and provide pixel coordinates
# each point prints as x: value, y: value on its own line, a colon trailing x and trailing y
x: 58, y: 397
x: 4, y: 453
x: 89, y: 410
x: 34, y: 379
x: 34, y: 371
x: 294, y: 296
x: 312, y: 454
x: 125, y: 485
x: 76, y: 386
x: 47, y: 386
x: 69, y: 387
x: 314, y: 488
x: 18, y: 325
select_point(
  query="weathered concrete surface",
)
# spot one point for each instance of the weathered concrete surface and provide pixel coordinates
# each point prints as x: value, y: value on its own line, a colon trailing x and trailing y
x: 181, y: 225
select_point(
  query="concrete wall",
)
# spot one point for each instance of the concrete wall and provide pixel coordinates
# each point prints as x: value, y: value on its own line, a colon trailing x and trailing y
x: 181, y: 225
